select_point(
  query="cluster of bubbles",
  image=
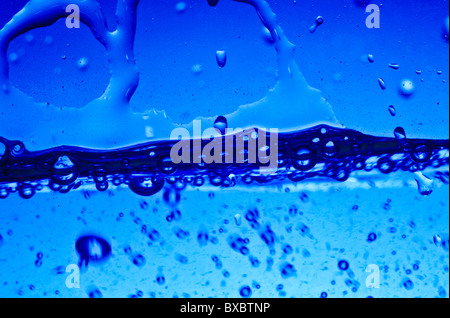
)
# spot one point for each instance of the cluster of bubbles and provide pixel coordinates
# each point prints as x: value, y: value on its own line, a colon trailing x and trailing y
x: 321, y: 151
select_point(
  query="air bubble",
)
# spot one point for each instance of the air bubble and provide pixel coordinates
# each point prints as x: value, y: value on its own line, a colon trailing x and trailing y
x: 92, y: 248
x: 303, y: 158
x: 26, y: 191
x: 64, y: 171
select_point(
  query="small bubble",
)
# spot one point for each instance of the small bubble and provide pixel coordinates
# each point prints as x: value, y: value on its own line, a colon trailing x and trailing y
x: 408, y: 284
x: 139, y: 260
x: 343, y: 265
x: 372, y: 237
x: 245, y: 291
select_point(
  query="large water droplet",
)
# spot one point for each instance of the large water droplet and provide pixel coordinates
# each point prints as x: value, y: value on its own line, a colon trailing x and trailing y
x: 425, y: 184
x: 399, y: 133
x: 406, y: 87
x: 221, y: 124
x: 221, y: 57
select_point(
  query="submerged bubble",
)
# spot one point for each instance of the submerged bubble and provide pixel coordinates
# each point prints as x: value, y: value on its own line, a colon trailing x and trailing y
x: 92, y: 248
x: 425, y: 185
x: 245, y: 291
x: 221, y: 57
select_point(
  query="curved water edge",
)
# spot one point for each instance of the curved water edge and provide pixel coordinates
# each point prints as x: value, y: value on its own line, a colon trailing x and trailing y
x: 291, y: 105
x: 244, y: 158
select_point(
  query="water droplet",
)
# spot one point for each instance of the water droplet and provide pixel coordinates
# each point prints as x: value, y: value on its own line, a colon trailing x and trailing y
x: 238, y: 219
x: 180, y: 7
x: 221, y: 124
x: 382, y: 83
x: 394, y: 66
x: 425, y: 185
x: 370, y: 58
x: 221, y: 57
x: 83, y: 63
x: 197, y: 69
x: 317, y: 22
x: 406, y: 87
x: 399, y: 133
x: 213, y: 3
x: 267, y: 36
x: 392, y: 110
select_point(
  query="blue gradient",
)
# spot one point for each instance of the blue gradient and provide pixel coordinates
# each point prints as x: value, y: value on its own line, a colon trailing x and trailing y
x: 211, y: 247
